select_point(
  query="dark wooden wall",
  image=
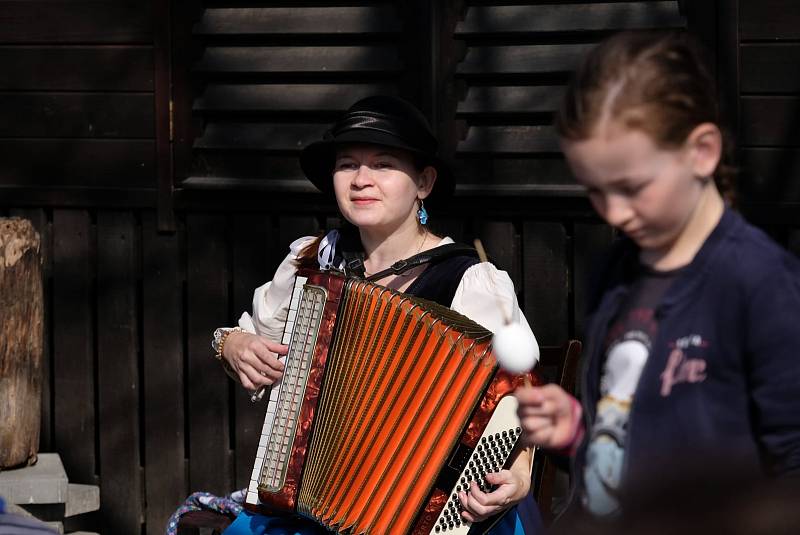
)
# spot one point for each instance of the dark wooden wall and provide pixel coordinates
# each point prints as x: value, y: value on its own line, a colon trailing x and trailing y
x: 156, y: 231
x: 768, y: 119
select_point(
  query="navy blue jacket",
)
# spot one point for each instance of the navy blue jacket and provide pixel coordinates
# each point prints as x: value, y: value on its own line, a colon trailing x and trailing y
x: 722, y: 382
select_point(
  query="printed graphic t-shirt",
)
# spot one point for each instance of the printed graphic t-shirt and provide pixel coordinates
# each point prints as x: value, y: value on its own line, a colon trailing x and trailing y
x: 628, y: 345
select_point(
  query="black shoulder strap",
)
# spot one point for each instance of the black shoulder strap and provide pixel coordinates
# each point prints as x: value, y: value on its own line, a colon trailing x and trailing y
x: 354, y: 264
x: 431, y: 256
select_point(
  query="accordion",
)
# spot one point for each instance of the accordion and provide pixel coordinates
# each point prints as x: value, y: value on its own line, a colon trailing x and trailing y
x: 389, y: 405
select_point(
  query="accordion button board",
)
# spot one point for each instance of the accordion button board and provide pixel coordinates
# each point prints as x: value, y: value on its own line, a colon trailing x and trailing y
x: 490, y: 455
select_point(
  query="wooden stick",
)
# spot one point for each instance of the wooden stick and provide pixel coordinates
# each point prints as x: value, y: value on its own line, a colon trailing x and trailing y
x: 482, y: 255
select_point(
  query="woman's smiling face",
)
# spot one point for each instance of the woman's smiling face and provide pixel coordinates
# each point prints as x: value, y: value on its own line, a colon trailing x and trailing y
x: 377, y: 187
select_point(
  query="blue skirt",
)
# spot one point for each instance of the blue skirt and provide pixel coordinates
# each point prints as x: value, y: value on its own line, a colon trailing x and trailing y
x: 248, y: 523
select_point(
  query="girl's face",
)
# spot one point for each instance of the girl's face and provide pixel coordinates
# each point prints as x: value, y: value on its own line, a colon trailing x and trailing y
x: 647, y: 192
x: 377, y: 187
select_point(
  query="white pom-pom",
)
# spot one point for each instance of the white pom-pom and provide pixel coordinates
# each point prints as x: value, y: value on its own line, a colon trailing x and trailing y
x: 515, y: 348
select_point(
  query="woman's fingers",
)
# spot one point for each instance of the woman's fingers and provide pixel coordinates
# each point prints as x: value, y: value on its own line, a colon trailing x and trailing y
x: 479, y: 505
x: 250, y: 378
x: 261, y: 347
x: 275, y: 347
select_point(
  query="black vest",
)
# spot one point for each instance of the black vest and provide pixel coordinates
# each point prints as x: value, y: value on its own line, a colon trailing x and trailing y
x: 439, y: 281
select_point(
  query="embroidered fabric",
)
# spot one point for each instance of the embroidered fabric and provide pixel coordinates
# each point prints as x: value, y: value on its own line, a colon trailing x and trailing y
x: 230, y: 505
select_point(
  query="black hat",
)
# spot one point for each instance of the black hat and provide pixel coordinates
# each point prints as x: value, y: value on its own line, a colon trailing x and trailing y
x: 379, y: 120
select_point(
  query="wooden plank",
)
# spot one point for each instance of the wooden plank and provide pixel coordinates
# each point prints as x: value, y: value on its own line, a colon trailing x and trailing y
x: 286, y: 137
x: 299, y: 59
x: 73, y: 344
x: 316, y: 98
x: 546, y: 280
x: 208, y: 411
x: 511, y: 99
x: 702, y: 21
x: 291, y: 227
x: 163, y: 113
x: 183, y: 54
x: 454, y: 227
x: 52, y: 115
x: 526, y: 59
x: 729, y: 60
x: 264, y: 184
x: 770, y: 176
x: 254, y: 262
x: 74, y: 21
x: 501, y: 241
x: 770, y: 68
x: 38, y: 219
x: 590, y: 243
x: 769, y: 19
x: 298, y: 20
x: 76, y: 68
x: 600, y: 16
x: 248, y: 170
x: 769, y: 121
x: 118, y: 373
x: 77, y: 197
x: 163, y: 379
x: 521, y: 173
x: 77, y: 162
x: 510, y: 139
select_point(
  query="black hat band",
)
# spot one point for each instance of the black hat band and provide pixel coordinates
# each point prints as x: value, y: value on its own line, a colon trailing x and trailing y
x: 390, y: 125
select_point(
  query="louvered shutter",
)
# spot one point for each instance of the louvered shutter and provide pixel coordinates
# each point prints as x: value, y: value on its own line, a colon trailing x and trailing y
x: 271, y: 79
x: 516, y: 62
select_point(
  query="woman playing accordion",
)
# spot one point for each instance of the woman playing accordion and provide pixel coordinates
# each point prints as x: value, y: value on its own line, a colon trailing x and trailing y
x: 379, y: 161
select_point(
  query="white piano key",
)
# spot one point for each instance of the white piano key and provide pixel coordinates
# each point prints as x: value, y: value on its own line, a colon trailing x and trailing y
x: 261, y: 452
x: 253, y: 487
x: 252, y: 498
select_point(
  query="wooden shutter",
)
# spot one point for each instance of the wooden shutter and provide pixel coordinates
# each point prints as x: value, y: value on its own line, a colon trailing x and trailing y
x: 509, y: 82
x: 270, y: 79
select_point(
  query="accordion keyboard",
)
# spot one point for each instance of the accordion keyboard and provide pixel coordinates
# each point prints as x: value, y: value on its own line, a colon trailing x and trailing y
x: 262, y: 458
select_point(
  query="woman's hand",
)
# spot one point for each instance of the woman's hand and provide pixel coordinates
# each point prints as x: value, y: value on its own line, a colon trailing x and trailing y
x: 512, y: 486
x: 254, y: 359
x: 549, y: 416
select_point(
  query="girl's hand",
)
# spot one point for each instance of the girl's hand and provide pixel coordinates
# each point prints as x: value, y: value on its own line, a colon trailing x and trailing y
x: 254, y: 359
x: 511, y: 489
x: 549, y: 416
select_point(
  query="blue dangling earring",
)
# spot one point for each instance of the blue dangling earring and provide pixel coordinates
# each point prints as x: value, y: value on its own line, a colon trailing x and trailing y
x: 422, y: 213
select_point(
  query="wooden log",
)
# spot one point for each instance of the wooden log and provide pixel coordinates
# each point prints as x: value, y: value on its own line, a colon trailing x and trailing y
x: 21, y: 342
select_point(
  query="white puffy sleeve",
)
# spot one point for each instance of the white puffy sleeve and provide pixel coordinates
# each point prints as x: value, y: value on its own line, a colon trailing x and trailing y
x: 271, y: 301
x: 480, y: 294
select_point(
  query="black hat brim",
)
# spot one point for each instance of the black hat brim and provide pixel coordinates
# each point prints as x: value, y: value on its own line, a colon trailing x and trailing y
x: 317, y: 161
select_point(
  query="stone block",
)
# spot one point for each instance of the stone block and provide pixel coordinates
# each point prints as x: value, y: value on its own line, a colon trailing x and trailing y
x: 44, y: 482
x: 81, y: 499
